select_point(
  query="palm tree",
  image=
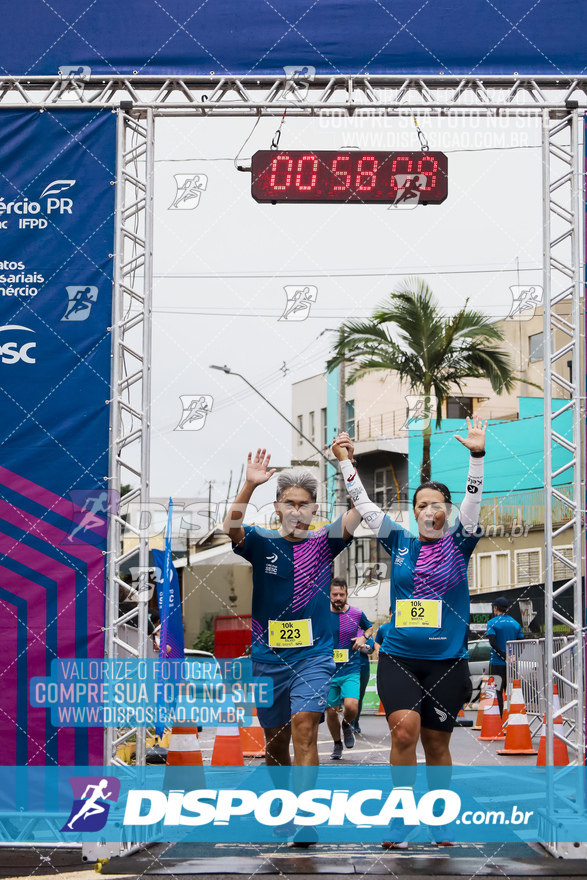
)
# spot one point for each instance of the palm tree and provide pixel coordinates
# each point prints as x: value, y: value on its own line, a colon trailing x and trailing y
x: 432, y: 354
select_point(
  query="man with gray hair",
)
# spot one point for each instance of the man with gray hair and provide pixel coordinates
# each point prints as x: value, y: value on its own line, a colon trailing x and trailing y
x: 291, y: 630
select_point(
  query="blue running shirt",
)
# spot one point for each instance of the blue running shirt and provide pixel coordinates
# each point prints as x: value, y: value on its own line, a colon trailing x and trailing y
x: 345, y: 628
x: 381, y: 633
x: 435, y: 570
x: 505, y: 629
x: 291, y: 581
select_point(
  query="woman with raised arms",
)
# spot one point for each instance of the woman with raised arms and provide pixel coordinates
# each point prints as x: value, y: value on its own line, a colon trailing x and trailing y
x: 423, y: 671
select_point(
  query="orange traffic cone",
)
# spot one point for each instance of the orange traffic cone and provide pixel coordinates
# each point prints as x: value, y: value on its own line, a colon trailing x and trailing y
x: 561, y: 754
x: 184, y: 752
x: 381, y: 710
x: 252, y: 739
x: 491, y: 728
x: 506, y: 709
x: 462, y: 720
x: 518, y: 740
x: 227, y: 750
x: 482, y: 703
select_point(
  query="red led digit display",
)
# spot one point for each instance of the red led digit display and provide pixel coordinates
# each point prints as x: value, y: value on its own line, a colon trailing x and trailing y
x: 349, y: 176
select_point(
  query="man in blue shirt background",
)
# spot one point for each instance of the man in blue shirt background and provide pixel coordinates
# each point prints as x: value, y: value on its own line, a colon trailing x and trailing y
x: 351, y: 629
x: 501, y: 629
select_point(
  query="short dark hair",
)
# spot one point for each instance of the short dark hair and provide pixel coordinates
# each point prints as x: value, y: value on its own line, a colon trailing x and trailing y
x: 438, y: 487
x: 339, y: 582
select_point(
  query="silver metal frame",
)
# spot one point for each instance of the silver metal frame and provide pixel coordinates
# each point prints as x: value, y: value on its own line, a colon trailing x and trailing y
x: 559, y: 100
x: 131, y: 394
x: 355, y: 95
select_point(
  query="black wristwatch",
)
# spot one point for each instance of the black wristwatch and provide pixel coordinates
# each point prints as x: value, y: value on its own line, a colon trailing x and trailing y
x: 478, y: 454
x: 354, y: 463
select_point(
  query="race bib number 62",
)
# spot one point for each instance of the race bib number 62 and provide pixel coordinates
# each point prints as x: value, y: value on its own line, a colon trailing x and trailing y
x: 418, y: 612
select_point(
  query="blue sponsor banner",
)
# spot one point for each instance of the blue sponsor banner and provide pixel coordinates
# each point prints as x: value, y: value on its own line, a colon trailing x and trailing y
x: 57, y: 176
x: 332, y: 37
x: 248, y: 804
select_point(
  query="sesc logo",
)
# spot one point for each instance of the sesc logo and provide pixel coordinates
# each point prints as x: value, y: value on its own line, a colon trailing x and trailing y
x: 12, y: 352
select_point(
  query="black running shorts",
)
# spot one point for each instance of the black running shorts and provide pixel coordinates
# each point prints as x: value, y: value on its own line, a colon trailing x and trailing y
x: 436, y: 689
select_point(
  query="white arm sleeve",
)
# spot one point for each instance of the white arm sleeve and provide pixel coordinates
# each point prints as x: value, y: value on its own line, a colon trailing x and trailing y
x: 469, y: 515
x: 372, y: 515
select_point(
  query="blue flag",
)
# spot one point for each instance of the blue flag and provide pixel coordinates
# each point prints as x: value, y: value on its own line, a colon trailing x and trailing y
x: 171, y: 645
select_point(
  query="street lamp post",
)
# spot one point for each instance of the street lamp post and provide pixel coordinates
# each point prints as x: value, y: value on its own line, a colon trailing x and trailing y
x: 230, y: 372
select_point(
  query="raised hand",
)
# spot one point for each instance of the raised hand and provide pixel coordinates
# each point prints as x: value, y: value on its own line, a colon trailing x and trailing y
x: 475, y: 440
x: 343, y: 447
x: 257, y: 472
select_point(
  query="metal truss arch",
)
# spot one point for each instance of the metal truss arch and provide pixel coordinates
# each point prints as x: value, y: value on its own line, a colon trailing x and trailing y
x: 560, y: 101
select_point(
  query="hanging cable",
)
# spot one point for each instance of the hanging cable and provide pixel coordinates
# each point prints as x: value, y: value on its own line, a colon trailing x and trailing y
x: 277, y: 135
x: 421, y: 137
x: 242, y: 168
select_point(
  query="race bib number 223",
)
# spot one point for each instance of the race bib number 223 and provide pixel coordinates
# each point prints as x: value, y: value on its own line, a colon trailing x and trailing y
x: 290, y: 633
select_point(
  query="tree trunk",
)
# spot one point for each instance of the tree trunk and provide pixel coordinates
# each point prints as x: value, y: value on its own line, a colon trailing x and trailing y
x: 426, y: 466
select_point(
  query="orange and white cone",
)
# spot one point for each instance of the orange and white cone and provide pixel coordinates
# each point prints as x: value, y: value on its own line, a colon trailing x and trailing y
x: 227, y: 751
x: 252, y: 739
x: 183, y: 753
x: 491, y: 729
x: 518, y: 740
x: 483, y: 702
x: 561, y: 754
x: 381, y: 710
x: 506, y: 710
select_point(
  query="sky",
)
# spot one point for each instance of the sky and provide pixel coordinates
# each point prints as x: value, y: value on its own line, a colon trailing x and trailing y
x: 221, y: 267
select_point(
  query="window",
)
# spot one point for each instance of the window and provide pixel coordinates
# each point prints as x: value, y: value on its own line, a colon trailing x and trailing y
x: 300, y: 430
x: 560, y: 571
x: 471, y: 573
x: 528, y: 570
x: 459, y: 407
x: 536, y: 347
x: 312, y: 427
x: 350, y: 418
x: 494, y: 570
x: 385, y: 493
x: 324, y: 427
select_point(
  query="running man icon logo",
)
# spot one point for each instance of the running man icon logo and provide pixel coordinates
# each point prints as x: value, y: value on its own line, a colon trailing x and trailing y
x: 80, y: 299
x: 421, y: 410
x: 90, y: 807
x: 89, y: 518
x: 298, y: 79
x: 299, y: 302
x: 195, y: 409
x: 189, y: 188
x: 409, y: 187
x: 369, y: 576
x: 525, y: 300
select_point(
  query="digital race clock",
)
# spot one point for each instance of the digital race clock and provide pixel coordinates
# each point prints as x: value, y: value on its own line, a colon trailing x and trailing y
x: 349, y: 176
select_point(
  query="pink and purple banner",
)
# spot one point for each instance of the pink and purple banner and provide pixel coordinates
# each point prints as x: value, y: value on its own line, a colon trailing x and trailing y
x: 57, y: 171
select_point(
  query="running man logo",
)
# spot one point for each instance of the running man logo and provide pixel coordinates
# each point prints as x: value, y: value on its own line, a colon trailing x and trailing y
x: 421, y: 410
x: 89, y: 518
x: 80, y: 299
x: 299, y: 302
x: 369, y: 577
x: 298, y: 79
x: 409, y: 187
x: 525, y: 300
x: 189, y: 188
x: 195, y: 408
x: 90, y: 807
